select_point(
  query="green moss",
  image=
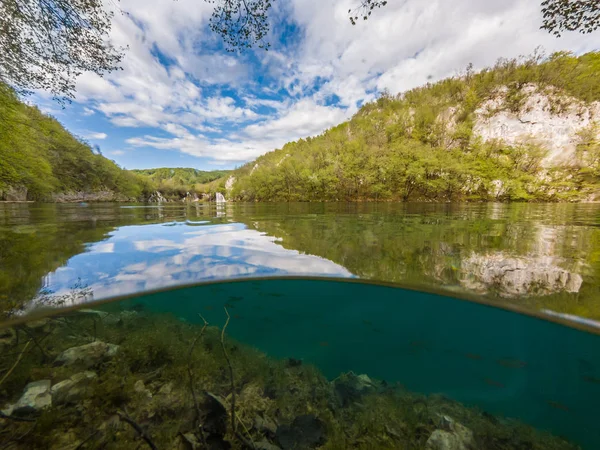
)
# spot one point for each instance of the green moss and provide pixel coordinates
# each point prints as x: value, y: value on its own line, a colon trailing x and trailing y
x: 148, y: 380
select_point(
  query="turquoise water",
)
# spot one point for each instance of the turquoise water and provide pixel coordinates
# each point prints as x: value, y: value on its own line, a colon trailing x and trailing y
x: 543, y: 373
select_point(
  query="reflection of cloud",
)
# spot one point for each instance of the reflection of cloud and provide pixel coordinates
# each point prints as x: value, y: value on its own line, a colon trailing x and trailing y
x: 107, y: 247
x: 141, y: 258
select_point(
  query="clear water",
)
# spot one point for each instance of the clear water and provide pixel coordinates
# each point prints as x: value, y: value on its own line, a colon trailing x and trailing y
x: 475, y: 326
x: 470, y: 248
x: 429, y: 365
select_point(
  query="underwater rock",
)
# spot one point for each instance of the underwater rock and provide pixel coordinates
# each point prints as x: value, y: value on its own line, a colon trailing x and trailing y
x: 349, y: 387
x: 35, y: 398
x: 307, y: 431
x: 265, y: 425
x: 8, y: 338
x: 74, y: 388
x: 454, y: 436
x: 86, y: 356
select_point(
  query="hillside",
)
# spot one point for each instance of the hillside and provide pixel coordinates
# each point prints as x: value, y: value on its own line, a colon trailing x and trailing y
x: 177, y: 182
x: 523, y: 130
x: 40, y: 160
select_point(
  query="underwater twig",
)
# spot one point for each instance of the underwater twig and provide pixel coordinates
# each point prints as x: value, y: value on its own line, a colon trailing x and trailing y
x: 233, y: 425
x: 125, y: 418
x: 37, y: 344
x: 231, y: 379
x: 191, y: 374
x: 16, y: 363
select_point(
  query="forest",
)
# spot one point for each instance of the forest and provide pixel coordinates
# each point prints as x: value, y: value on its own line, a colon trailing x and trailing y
x: 39, y: 159
x: 415, y: 146
x: 405, y: 147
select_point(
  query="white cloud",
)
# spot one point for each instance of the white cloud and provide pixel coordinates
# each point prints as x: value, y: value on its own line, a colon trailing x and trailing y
x: 96, y: 135
x: 117, y: 152
x: 88, y: 112
x: 402, y: 45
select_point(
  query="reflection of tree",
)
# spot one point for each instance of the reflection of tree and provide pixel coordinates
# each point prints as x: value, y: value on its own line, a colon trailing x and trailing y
x: 427, y: 244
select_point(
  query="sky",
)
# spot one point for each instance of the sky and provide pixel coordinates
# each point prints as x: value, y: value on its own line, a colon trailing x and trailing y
x: 182, y: 100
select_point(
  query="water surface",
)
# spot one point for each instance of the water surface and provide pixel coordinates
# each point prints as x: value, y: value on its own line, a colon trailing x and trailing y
x: 542, y: 256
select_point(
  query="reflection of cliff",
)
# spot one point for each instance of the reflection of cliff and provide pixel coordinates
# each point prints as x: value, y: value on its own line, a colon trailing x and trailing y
x: 511, y: 276
x: 529, y: 253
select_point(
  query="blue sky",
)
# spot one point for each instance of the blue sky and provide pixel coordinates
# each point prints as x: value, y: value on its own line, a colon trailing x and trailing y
x: 181, y: 100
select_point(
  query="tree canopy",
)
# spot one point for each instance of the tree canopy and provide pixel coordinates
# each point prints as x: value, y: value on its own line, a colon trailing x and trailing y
x: 46, y: 44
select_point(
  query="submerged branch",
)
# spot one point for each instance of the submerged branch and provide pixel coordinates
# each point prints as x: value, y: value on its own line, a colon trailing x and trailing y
x: 191, y: 374
x: 125, y: 418
x: 16, y: 363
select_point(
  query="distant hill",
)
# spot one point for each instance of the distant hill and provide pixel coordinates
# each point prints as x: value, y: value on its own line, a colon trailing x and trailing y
x: 40, y: 160
x: 179, y: 181
x: 522, y: 130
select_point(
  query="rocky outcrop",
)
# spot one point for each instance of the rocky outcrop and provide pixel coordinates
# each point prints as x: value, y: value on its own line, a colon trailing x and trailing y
x: 87, y: 356
x: 514, y: 276
x: 36, y: 397
x: 82, y: 196
x: 190, y: 198
x: 157, y: 197
x: 544, y: 117
x: 229, y: 183
x: 14, y: 194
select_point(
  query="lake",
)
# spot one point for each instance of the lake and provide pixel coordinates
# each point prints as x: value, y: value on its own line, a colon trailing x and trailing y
x: 309, y: 325
x: 540, y: 256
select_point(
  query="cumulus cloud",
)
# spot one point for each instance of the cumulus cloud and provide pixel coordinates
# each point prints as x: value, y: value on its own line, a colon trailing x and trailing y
x: 232, y: 108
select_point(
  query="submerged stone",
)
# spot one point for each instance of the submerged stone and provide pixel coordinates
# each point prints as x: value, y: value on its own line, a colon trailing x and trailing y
x: 73, y: 389
x: 86, y: 356
x: 454, y: 436
x: 35, y: 398
x: 350, y: 387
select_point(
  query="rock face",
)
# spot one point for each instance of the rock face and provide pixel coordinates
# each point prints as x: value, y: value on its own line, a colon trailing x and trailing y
x: 454, y: 436
x: 80, y: 196
x: 229, y: 183
x: 156, y: 197
x: 14, y: 194
x: 73, y: 389
x: 515, y: 276
x: 35, y: 398
x: 549, y: 119
x: 88, y: 355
